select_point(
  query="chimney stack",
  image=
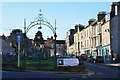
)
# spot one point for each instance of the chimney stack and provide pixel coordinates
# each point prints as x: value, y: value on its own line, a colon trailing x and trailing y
x: 101, y: 15
x: 91, y: 21
x: 114, y: 9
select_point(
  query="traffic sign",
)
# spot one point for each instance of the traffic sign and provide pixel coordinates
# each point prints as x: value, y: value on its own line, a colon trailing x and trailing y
x: 18, y: 38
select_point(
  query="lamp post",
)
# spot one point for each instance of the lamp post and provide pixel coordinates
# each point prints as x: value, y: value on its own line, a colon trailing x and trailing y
x: 24, y: 41
x: 55, y: 51
x: 55, y: 35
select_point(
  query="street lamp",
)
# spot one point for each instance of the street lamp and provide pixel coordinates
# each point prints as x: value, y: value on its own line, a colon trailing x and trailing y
x: 55, y: 51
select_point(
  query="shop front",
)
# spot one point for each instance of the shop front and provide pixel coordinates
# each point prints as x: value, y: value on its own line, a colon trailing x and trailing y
x: 94, y: 52
x: 99, y: 50
x: 106, y: 53
x: 82, y: 52
x: 88, y: 52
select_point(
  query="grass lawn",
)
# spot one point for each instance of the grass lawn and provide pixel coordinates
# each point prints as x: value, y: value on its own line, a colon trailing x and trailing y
x: 49, y: 65
x: 40, y: 64
x: 45, y: 65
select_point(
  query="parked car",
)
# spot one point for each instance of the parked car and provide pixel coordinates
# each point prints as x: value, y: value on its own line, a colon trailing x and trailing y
x: 71, y: 56
x: 99, y: 59
x: 83, y: 57
x: 1, y: 53
x: 91, y: 59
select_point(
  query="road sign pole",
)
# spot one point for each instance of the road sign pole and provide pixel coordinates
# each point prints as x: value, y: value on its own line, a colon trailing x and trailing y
x: 18, y: 54
x: 18, y: 40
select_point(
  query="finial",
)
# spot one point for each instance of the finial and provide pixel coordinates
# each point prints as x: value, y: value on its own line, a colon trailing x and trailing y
x: 40, y: 12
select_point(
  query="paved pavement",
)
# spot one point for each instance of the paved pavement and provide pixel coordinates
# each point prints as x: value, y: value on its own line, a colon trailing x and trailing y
x: 113, y: 64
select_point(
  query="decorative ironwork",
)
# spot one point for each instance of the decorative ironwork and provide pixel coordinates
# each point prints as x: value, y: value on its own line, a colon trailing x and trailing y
x: 40, y: 20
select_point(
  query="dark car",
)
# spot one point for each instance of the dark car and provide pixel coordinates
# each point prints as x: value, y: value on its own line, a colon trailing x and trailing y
x: 99, y: 59
x: 91, y: 59
x: 83, y: 57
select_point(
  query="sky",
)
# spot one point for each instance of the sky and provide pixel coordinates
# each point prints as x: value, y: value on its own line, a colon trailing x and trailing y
x: 67, y: 15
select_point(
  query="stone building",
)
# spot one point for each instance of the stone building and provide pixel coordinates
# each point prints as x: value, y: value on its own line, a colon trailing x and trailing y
x: 94, y: 39
x: 5, y: 47
x: 70, y: 41
x: 100, y: 37
x: 25, y: 43
x: 45, y: 48
x: 115, y: 30
x: 78, y: 28
x: 106, y: 38
x: 39, y: 45
x: 60, y: 47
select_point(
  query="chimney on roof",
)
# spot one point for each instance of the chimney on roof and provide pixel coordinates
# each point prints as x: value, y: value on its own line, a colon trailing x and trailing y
x: 114, y: 9
x: 91, y: 21
x: 101, y: 15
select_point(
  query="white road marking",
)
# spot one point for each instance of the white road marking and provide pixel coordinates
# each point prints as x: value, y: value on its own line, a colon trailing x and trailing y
x: 83, y: 76
x: 90, y: 72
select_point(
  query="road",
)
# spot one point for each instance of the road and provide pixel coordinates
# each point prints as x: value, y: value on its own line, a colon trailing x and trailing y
x: 103, y: 71
x: 96, y: 71
x: 41, y: 75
